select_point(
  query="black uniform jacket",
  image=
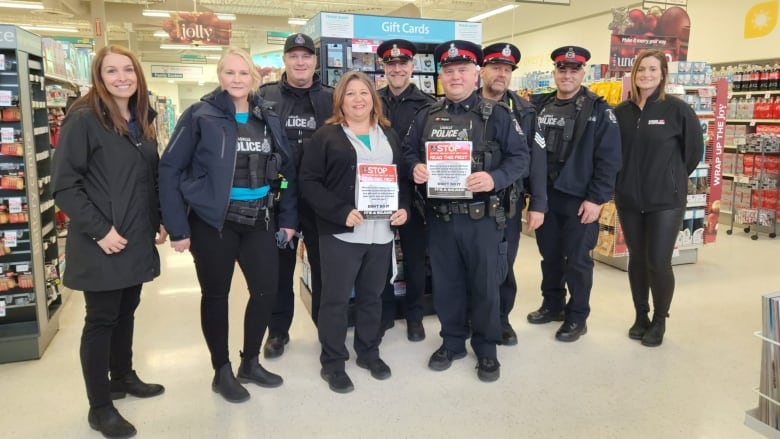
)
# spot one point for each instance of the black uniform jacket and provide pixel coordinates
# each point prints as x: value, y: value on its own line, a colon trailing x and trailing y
x: 662, y: 144
x: 327, y: 177
x: 101, y: 179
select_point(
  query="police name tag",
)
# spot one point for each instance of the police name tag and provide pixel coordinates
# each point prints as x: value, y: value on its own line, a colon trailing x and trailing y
x: 377, y: 190
x: 449, y: 163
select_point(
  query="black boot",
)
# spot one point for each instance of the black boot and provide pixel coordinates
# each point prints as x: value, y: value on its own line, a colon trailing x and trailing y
x: 641, y: 325
x: 133, y: 385
x: 655, y: 334
x: 108, y: 421
x: 226, y: 384
x: 251, y: 371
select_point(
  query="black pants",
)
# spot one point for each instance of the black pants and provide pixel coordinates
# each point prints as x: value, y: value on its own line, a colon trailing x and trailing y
x: 284, y: 306
x: 508, y: 288
x: 344, y: 266
x: 468, y: 262
x: 215, y: 255
x: 565, y: 244
x: 650, y: 237
x: 107, y: 340
x: 414, y: 246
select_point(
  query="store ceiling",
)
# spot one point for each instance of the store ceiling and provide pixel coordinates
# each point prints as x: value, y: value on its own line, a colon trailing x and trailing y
x: 125, y: 24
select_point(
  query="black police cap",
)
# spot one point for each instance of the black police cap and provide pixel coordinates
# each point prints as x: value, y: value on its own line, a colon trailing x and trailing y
x: 298, y: 40
x: 396, y: 50
x: 502, y: 53
x: 569, y: 55
x: 458, y: 51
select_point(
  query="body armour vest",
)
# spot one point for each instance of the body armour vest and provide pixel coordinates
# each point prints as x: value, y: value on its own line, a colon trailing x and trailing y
x: 257, y: 164
x: 474, y: 126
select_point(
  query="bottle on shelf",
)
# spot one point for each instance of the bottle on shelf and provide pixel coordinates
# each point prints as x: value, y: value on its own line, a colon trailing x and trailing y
x: 732, y: 109
x: 736, y: 78
x: 755, y: 75
x: 763, y: 79
x: 774, y: 78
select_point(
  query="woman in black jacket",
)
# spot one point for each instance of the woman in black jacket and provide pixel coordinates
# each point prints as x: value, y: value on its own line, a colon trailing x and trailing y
x: 220, y: 187
x: 354, y: 250
x: 662, y: 145
x: 105, y: 180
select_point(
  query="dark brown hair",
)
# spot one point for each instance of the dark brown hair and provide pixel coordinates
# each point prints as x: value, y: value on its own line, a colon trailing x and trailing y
x: 660, y: 56
x: 100, y: 101
x: 377, y: 116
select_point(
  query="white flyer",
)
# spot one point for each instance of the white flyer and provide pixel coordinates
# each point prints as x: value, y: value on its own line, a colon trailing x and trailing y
x: 449, y: 163
x: 377, y: 190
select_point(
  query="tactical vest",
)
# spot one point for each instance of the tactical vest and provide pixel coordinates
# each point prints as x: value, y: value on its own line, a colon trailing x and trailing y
x: 474, y: 126
x: 261, y: 165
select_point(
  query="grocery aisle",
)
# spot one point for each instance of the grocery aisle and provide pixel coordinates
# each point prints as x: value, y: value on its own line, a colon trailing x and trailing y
x: 696, y: 385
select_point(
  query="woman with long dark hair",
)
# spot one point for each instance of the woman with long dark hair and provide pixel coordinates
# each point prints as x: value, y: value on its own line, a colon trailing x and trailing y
x: 662, y: 145
x: 105, y: 180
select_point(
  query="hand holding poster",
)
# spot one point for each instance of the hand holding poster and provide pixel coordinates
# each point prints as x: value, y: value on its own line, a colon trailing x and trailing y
x: 377, y: 190
x: 449, y: 163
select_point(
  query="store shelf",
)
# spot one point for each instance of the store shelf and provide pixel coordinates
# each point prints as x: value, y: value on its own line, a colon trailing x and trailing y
x: 753, y: 121
x: 60, y: 78
x: 754, y: 93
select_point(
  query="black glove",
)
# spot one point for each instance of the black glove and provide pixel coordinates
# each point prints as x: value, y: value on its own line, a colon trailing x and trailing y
x: 282, y: 241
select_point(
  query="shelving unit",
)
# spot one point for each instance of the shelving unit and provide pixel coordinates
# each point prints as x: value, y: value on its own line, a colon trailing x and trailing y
x: 765, y: 419
x: 30, y: 284
x: 704, y: 185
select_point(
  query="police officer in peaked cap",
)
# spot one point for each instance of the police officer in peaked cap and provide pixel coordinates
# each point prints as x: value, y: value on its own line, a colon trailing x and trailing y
x: 579, y: 131
x: 401, y: 100
x: 468, y: 251
x: 500, y: 59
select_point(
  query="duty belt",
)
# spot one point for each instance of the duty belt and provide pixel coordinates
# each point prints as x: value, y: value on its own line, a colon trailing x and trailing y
x: 247, y: 212
x: 476, y: 210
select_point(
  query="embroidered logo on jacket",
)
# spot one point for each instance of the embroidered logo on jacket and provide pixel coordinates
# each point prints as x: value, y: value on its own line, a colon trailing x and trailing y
x: 656, y: 122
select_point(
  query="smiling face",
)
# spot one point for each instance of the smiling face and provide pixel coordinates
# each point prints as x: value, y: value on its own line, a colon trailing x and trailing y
x: 458, y: 79
x: 358, y: 103
x: 648, y: 75
x: 398, y: 74
x: 299, y: 66
x: 495, y: 79
x: 236, y: 78
x: 119, y: 77
x: 568, y: 78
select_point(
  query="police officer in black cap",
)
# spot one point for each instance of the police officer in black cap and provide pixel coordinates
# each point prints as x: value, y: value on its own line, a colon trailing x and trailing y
x: 303, y: 104
x: 580, y: 133
x: 466, y: 229
x: 499, y: 61
x: 401, y: 100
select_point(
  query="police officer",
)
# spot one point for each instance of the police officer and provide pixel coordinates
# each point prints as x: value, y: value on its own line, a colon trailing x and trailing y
x: 401, y: 100
x: 303, y: 103
x: 580, y: 133
x: 499, y: 62
x: 466, y: 236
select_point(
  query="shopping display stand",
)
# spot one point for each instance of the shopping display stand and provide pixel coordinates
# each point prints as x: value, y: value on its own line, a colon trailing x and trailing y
x: 760, y: 175
x: 30, y: 297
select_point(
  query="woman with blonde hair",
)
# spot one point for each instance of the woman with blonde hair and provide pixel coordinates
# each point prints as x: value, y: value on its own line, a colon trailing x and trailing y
x: 355, y: 250
x: 220, y: 185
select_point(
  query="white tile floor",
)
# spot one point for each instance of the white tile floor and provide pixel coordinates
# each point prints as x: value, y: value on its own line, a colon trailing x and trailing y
x: 698, y: 384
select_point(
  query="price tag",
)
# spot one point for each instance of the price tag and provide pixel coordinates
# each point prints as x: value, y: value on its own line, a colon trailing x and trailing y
x: 22, y: 268
x: 14, y: 205
x: 2, y: 307
x: 7, y: 135
x: 10, y: 238
x: 5, y: 98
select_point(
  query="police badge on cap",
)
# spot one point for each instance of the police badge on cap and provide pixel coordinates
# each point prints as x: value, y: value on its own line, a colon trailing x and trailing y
x: 396, y: 50
x: 502, y: 53
x: 572, y: 55
x: 458, y: 51
x: 299, y: 40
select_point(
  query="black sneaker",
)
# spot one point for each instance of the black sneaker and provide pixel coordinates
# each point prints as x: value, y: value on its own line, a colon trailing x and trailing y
x: 379, y: 369
x: 488, y: 369
x: 545, y: 315
x: 338, y: 381
x: 571, y: 331
x: 443, y: 357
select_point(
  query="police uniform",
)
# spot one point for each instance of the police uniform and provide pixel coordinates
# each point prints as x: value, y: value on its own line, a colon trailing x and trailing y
x: 582, y: 140
x: 302, y: 111
x: 400, y: 109
x: 535, y: 184
x: 466, y: 236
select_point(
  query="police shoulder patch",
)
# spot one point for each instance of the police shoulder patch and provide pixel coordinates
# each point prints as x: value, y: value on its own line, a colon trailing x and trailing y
x: 611, y: 115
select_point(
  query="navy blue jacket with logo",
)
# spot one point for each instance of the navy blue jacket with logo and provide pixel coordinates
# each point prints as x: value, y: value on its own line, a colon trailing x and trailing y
x: 662, y: 144
x: 197, y: 166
